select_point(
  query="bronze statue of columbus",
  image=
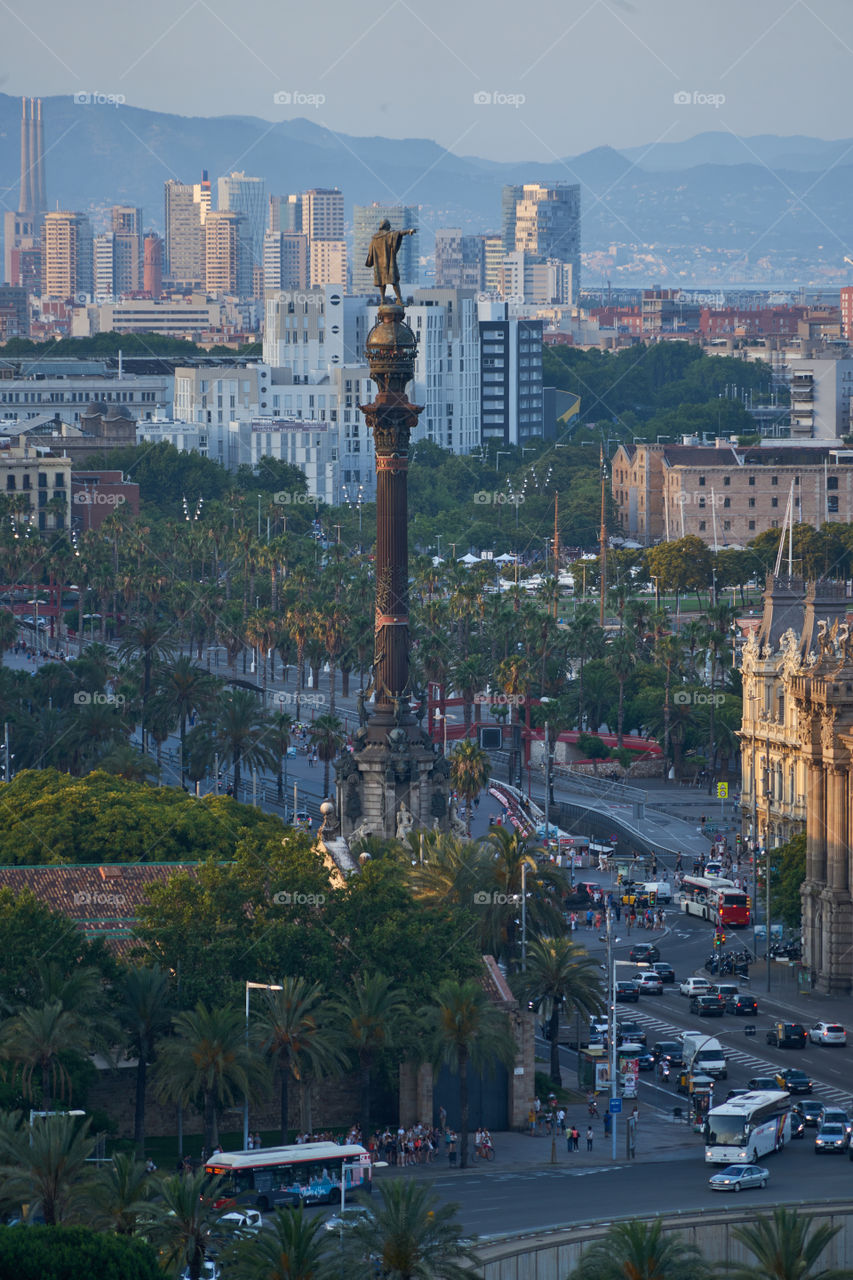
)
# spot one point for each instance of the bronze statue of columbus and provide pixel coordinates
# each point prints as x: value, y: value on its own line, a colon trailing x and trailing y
x: 382, y: 256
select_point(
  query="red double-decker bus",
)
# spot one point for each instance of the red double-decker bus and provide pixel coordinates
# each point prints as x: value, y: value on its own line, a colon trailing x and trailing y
x: 715, y: 899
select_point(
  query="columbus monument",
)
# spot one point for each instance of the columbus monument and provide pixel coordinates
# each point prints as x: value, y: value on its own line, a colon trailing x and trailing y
x: 393, y: 781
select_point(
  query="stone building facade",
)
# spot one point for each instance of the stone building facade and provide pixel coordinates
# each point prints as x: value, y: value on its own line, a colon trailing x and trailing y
x: 797, y: 756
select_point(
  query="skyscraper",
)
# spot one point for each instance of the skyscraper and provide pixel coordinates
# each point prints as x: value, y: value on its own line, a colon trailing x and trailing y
x: 510, y: 197
x: 323, y: 214
x: 104, y: 267
x: 227, y: 254
x: 127, y: 248
x: 239, y: 194
x: 285, y: 213
x: 366, y: 220
x: 460, y: 261
x: 285, y: 260
x: 67, y: 255
x: 328, y: 263
x: 547, y: 225
x: 187, y: 206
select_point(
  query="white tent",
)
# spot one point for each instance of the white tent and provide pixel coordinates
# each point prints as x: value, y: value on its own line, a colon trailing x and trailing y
x: 506, y: 558
x: 469, y: 559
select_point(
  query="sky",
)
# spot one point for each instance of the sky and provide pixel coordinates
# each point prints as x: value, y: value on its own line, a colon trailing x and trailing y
x: 495, y: 78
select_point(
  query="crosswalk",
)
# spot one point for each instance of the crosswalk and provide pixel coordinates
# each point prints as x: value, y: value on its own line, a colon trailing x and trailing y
x: 663, y: 1030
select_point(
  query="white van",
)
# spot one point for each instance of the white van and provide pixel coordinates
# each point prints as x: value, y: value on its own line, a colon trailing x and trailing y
x: 661, y: 888
x: 704, y: 1054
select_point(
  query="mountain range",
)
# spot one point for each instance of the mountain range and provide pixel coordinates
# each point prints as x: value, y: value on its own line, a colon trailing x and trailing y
x: 714, y: 210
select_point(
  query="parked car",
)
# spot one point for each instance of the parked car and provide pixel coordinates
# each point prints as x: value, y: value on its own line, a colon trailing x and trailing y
x: 737, y: 1176
x: 708, y: 1006
x: 828, y: 1033
x: 649, y: 983
x: 695, y: 987
x: 644, y: 953
x: 665, y: 971
x: 747, y: 1006
x: 830, y: 1138
x: 627, y: 991
x: 794, y: 1080
x: 787, y: 1035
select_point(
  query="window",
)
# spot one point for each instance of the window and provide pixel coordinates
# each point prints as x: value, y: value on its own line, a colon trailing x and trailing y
x: 727, y: 480
x: 752, y: 502
x: 832, y: 482
x: 701, y: 526
x: 10, y: 482
x: 701, y: 482
x: 727, y: 524
x: 752, y: 481
x: 752, y: 524
x: 774, y: 479
x: 727, y: 502
x: 774, y: 502
x: 832, y: 504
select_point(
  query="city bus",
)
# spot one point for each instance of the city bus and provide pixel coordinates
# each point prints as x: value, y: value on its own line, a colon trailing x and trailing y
x: 308, y: 1173
x: 715, y: 899
x: 747, y: 1127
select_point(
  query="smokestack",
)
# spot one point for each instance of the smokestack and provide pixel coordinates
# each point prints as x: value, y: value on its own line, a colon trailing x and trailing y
x: 25, y: 202
x: 33, y: 159
x: 40, y: 190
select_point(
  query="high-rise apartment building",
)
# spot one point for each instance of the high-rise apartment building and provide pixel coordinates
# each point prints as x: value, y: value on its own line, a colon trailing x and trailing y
x: 493, y: 253
x: 127, y: 248
x: 285, y: 213
x: 67, y: 255
x: 103, y: 259
x: 511, y: 393
x: 328, y: 263
x: 547, y: 224
x: 187, y: 206
x: 323, y: 214
x: 227, y: 254
x: 366, y: 220
x: 510, y: 196
x: 152, y: 271
x: 285, y: 260
x: 239, y: 194
x: 460, y: 260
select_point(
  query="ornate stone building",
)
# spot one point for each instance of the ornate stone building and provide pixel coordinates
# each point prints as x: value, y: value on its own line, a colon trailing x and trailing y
x: 797, y: 755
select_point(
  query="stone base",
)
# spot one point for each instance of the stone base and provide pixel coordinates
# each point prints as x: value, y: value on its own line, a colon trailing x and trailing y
x: 392, y: 782
x: 828, y: 934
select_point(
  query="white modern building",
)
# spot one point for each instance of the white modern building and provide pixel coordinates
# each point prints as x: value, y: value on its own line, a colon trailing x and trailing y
x: 310, y: 334
x: 511, y: 385
x: 820, y: 397
x: 69, y: 395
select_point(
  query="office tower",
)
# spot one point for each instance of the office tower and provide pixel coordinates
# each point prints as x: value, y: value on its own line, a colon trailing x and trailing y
x: 187, y: 206
x: 366, y: 220
x: 66, y: 255
x: 511, y: 395
x: 104, y: 267
x: 547, y: 225
x: 510, y: 197
x: 285, y: 213
x: 227, y: 254
x: 460, y: 261
x: 127, y: 248
x: 152, y: 271
x: 328, y: 263
x: 239, y: 194
x: 493, y: 252
x: 323, y: 214
x: 285, y: 260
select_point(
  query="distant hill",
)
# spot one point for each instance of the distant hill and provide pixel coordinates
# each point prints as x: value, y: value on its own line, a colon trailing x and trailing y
x: 714, y: 208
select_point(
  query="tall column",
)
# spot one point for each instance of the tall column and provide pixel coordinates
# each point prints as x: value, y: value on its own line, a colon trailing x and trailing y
x: 815, y: 823
x: 836, y: 829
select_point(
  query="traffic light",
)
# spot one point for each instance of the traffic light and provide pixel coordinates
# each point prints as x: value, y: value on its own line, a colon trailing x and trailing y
x: 653, y: 897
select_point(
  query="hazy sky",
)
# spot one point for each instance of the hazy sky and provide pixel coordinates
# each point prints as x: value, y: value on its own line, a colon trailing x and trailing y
x: 554, y: 78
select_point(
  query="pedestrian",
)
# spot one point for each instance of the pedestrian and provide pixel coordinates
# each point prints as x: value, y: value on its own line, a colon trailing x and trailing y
x: 451, y: 1150
x: 576, y: 1137
x: 531, y: 1120
x: 561, y: 1121
x: 250, y: 1145
x: 608, y: 1124
x: 257, y: 1142
x: 589, y: 1137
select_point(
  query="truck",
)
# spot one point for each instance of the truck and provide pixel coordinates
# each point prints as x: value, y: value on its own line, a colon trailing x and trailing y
x: 704, y: 1054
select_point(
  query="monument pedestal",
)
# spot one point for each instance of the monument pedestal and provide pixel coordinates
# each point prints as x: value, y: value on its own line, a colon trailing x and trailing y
x: 392, y: 782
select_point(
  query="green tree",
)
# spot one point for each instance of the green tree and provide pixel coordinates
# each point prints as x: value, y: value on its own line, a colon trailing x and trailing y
x: 295, y: 1039
x: 143, y: 1011
x: 465, y: 1029
x: 622, y: 658
x: 8, y: 631
x: 327, y: 734
x: 412, y: 1235
x: 182, y: 689
x: 561, y: 976
x: 37, y: 1042
x: 293, y: 1247
x: 121, y: 1196
x: 787, y: 1246
x: 66, y: 1253
x: 44, y: 1167
x: 185, y: 1227
x: 640, y: 1251
x: 470, y: 767
x: 371, y: 1014
x: 208, y: 1060
x: 240, y: 730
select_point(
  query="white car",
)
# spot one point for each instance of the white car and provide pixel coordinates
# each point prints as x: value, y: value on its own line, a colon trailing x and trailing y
x: 736, y: 1176
x: 243, y: 1220
x: 828, y: 1033
x: 351, y: 1216
x: 695, y: 987
x: 209, y: 1271
x: 650, y: 983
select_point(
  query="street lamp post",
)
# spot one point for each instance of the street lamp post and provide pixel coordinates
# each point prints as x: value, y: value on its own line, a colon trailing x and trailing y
x: 524, y: 915
x: 611, y: 1021
x: 253, y: 986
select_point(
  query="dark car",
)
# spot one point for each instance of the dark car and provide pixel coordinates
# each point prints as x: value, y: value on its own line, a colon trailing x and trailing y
x: 643, y: 953
x: 812, y: 1111
x: 794, y: 1080
x: 787, y: 1035
x: 670, y: 1051
x: 761, y: 1084
x: 630, y: 1033
x: 798, y: 1123
x: 745, y: 1005
x: 665, y: 971
x: 627, y: 991
x: 707, y: 1006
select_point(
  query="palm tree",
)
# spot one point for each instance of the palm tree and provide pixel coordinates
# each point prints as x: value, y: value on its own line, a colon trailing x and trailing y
x: 412, y: 1236
x: 298, y: 624
x: 514, y: 677
x: 280, y: 727
x: 563, y: 975
x: 240, y: 730
x: 44, y: 1166
x: 207, y: 1059
x: 181, y: 690
x: 786, y: 1247
x: 621, y: 658
x: 508, y: 855
x: 144, y: 1013
x: 328, y: 735
x: 464, y: 1028
x: 8, y: 631
x: 184, y: 1229
x: 586, y: 641
x: 371, y: 1017
x: 146, y: 640
x: 122, y: 1196
x: 292, y: 1247
x: 294, y: 1038
x: 37, y: 1041
x: 469, y: 773
x: 640, y: 1251
x: 668, y: 651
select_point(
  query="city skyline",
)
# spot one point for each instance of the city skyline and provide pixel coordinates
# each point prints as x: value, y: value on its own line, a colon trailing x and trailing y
x: 467, y: 86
